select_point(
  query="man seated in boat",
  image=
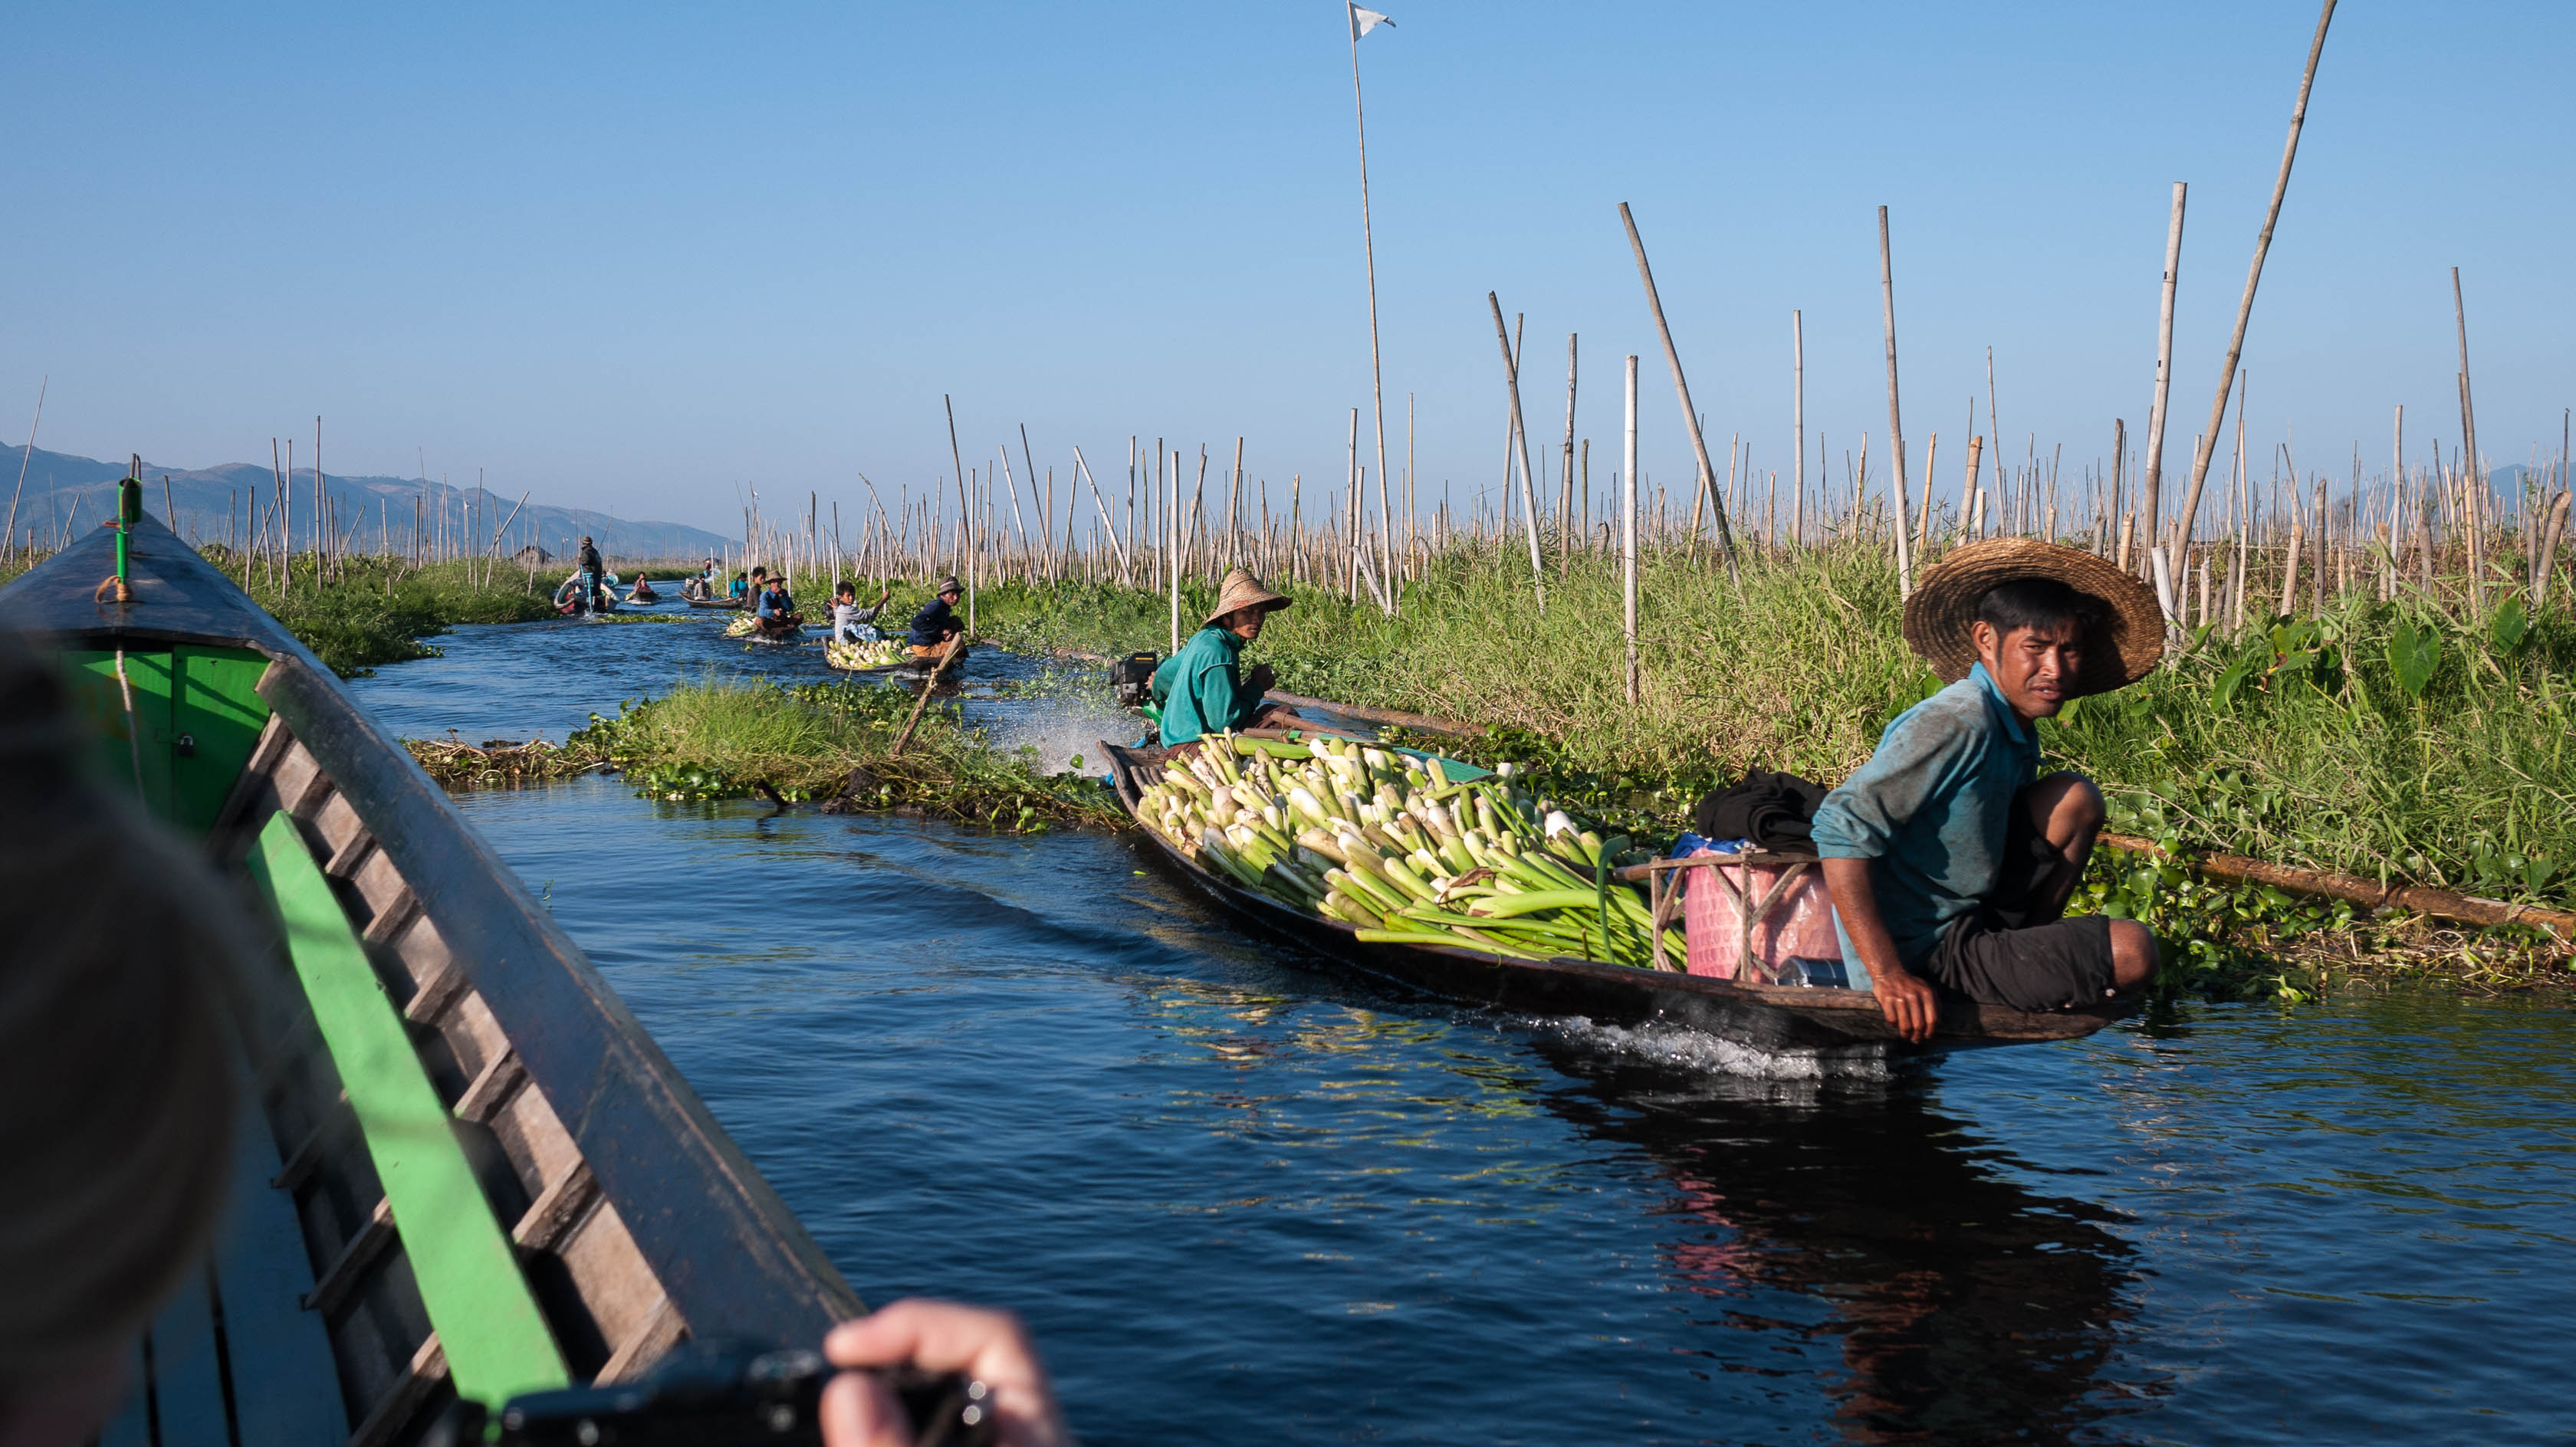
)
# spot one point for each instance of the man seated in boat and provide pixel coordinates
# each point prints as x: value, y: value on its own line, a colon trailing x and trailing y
x: 740, y: 589
x: 852, y: 623
x: 937, y: 625
x: 776, y: 614
x: 1202, y: 689
x: 1949, y: 863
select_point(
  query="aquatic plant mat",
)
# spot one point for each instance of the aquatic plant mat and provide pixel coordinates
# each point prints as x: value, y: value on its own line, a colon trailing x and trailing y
x: 2402, y: 741
x: 832, y: 743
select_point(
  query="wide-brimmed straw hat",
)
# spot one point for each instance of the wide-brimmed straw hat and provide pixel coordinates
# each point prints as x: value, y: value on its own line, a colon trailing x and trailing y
x: 2122, y: 644
x: 1243, y: 590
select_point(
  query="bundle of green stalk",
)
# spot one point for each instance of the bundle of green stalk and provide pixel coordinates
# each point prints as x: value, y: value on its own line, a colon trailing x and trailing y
x: 880, y: 654
x: 1390, y: 843
x: 742, y: 625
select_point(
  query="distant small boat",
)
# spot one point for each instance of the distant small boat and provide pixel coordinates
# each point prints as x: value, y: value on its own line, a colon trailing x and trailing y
x: 734, y: 603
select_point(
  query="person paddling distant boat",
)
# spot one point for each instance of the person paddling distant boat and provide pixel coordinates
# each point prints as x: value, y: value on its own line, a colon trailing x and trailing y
x: 1202, y: 689
x: 1950, y: 867
x: 775, y: 615
x: 937, y: 625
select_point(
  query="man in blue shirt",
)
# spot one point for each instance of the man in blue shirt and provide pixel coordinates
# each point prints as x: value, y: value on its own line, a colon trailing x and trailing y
x: 937, y: 622
x: 1949, y: 863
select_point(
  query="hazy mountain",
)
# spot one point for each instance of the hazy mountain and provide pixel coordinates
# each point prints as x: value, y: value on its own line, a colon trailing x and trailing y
x: 62, y: 491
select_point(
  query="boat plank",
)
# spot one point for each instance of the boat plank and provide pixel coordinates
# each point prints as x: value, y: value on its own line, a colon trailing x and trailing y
x: 284, y: 1388
x: 187, y: 1378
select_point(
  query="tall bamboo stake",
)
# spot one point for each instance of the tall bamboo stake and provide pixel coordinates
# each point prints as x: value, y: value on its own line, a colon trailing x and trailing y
x: 2164, y: 370
x: 2253, y: 276
x: 1681, y: 388
x: 1628, y: 531
x: 1520, y: 433
x: 1895, y: 421
x: 1798, y: 415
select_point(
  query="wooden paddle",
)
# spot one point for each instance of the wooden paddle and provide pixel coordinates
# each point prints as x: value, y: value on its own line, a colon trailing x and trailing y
x: 956, y: 646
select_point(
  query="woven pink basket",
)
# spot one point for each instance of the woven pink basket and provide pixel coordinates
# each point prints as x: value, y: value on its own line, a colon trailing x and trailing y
x: 1799, y: 923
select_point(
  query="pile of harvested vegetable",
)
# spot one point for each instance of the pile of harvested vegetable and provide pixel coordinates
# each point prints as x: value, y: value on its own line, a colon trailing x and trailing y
x: 741, y: 626
x: 1390, y: 843
x: 883, y: 653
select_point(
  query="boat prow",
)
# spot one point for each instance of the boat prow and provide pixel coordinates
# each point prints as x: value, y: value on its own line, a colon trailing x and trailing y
x: 568, y: 1210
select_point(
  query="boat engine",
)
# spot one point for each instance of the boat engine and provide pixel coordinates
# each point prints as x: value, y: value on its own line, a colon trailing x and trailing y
x: 1131, y: 679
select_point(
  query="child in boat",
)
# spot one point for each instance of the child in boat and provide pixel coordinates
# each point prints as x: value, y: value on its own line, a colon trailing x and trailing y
x: 1950, y: 867
x: 1201, y: 689
x: 852, y: 623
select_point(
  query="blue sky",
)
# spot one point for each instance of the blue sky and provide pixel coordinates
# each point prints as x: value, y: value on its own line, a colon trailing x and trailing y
x: 633, y: 256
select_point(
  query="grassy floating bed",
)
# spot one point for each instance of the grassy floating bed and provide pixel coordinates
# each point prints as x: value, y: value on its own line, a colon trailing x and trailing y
x: 723, y: 738
x: 497, y: 763
x: 2399, y: 741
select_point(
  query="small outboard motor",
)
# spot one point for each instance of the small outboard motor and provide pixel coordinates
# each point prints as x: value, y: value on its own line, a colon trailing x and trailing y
x: 1131, y: 679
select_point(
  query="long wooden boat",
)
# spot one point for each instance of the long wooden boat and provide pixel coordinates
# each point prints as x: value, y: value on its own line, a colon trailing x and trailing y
x: 464, y: 1168
x: 732, y: 603
x: 1765, y: 1017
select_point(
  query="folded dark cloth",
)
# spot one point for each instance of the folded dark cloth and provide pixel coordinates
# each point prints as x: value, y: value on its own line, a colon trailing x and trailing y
x: 1772, y: 810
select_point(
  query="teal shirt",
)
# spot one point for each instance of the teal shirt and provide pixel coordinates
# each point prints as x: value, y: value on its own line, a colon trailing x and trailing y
x: 1930, y: 808
x: 1200, y: 689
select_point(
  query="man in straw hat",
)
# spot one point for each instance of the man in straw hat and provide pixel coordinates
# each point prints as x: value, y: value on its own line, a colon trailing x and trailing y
x: 937, y: 624
x: 1202, y: 688
x: 1950, y: 864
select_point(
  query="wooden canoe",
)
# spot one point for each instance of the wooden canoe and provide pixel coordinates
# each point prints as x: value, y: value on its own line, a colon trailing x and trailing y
x: 595, y: 1214
x: 734, y: 603
x: 1772, y: 1018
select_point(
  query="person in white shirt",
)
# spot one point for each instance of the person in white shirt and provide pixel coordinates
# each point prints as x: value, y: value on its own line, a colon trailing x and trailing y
x: 852, y: 623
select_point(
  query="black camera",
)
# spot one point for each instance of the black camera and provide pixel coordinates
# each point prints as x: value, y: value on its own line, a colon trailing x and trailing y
x: 719, y: 1394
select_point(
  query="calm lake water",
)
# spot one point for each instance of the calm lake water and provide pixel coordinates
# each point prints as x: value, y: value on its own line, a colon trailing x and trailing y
x: 1240, y: 1198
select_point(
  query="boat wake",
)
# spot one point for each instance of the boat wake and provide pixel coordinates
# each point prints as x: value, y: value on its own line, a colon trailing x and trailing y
x: 1062, y: 730
x: 1676, y: 1046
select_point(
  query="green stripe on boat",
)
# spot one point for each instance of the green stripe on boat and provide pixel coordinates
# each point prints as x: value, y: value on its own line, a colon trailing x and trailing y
x: 496, y: 1341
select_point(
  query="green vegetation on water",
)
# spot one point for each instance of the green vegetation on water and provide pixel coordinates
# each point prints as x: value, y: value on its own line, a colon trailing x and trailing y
x: 724, y: 738
x: 2391, y: 740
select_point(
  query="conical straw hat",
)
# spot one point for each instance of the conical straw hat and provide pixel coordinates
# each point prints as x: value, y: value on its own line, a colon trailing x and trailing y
x: 1243, y: 590
x: 2122, y: 643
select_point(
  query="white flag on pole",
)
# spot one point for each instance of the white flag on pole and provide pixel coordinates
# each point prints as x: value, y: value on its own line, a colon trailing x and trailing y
x: 1364, y: 21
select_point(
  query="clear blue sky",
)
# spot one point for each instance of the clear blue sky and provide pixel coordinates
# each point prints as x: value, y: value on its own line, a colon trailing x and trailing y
x: 630, y: 256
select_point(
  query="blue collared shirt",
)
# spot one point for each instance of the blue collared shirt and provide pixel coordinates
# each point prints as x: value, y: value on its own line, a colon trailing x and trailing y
x: 1931, y: 807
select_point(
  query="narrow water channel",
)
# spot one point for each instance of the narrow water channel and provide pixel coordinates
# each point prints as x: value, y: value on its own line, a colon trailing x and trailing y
x: 1240, y: 1198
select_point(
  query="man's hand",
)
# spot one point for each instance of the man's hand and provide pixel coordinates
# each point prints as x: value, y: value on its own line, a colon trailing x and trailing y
x: 1261, y: 680
x: 937, y: 1336
x: 1905, y: 997
x: 1908, y: 1002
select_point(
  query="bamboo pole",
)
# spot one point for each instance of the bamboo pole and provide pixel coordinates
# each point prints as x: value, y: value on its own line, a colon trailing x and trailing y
x: 1895, y: 420
x: 2473, y: 502
x: 2152, y: 501
x: 1520, y: 434
x: 1565, y: 479
x: 1628, y: 532
x: 1798, y: 416
x: 1681, y: 389
x: 11, y: 532
x: 2253, y: 276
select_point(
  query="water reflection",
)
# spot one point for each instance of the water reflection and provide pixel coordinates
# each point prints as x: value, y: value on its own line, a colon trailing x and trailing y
x: 1952, y: 1303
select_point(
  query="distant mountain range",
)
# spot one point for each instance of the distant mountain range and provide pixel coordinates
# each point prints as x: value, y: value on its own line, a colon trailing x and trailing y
x: 64, y: 492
